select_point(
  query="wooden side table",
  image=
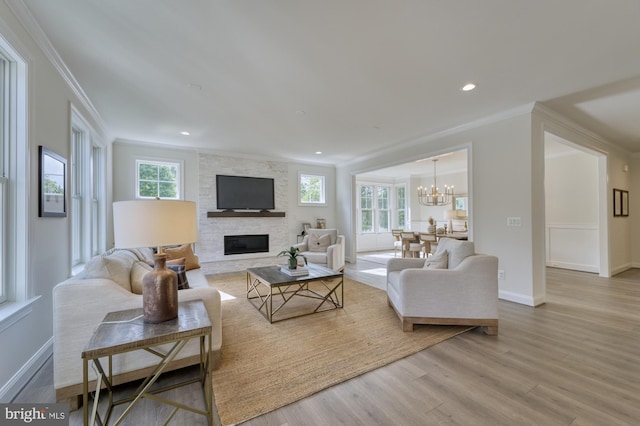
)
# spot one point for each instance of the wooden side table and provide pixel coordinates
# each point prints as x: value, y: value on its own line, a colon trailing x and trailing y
x: 125, y: 331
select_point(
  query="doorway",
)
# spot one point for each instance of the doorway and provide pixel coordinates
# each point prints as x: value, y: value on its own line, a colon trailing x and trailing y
x: 573, y: 206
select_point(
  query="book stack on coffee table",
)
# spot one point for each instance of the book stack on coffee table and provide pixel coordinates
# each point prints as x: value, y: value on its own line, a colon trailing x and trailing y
x: 298, y: 272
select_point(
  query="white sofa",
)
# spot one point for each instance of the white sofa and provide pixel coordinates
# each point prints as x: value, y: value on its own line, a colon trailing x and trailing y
x: 323, y: 247
x: 463, y: 292
x: 81, y: 302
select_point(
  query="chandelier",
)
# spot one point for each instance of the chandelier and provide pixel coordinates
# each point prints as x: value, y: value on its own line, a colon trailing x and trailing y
x: 433, y: 197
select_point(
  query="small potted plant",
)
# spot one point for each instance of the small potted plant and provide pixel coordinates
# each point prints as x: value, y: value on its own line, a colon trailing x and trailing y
x: 293, y: 254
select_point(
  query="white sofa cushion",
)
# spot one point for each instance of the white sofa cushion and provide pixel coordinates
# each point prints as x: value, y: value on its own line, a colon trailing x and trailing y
x: 458, y: 250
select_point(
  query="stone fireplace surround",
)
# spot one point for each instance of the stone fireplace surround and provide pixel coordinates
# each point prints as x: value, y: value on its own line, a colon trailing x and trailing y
x: 211, y: 231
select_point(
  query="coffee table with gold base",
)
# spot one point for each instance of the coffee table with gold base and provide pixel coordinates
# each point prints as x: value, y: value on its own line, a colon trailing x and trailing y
x: 271, y: 291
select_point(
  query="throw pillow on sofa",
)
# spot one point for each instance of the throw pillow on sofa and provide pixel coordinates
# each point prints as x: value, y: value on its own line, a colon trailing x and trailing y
x: 114, y: 265
x: 140, y: 269
x: 437, y: 261
x: 186, y: 252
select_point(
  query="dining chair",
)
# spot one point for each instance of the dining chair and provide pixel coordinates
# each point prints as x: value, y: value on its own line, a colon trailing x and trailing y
x: 407, y: 239
x: 429, y: 243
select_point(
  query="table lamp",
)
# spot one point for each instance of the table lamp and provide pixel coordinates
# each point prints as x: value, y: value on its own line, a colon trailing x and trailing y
x: 156, y: 223
x: 450, y: 215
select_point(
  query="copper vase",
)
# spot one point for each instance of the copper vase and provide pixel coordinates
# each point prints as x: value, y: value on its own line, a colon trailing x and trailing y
x: 160, y: 292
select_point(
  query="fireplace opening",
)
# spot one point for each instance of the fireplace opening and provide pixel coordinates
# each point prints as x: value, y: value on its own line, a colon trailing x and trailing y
x: 242, y: 244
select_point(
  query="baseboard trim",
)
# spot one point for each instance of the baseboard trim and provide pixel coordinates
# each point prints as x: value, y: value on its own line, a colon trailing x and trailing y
x: 19, y: 380
x: 521, y: 298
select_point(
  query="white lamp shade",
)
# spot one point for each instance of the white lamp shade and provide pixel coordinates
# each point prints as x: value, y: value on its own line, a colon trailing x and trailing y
x: 154, y: 223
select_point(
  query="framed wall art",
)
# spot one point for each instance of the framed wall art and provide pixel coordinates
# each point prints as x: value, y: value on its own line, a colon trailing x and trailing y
x: 620, y: 203
x: 53, y: 179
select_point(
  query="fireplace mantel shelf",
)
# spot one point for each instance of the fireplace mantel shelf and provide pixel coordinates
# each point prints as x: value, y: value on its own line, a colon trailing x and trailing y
x: 245, y: 214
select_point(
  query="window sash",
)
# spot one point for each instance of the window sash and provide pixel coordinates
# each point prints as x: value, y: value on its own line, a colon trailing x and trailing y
x: 4, y: 181
x: 311, y: 189
x: 401, y: 202
x: 153, y: 180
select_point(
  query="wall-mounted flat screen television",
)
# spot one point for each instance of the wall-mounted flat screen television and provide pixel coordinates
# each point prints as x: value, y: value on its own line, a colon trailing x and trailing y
x: 244, y: 193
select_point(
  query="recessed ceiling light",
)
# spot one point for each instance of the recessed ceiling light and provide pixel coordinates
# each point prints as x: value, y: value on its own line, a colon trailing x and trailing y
x: 318, y: 152
x: 468, y: 87
x: 185, y: 133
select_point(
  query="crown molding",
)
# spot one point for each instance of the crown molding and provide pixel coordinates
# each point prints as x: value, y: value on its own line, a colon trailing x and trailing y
x: 31, y: 25
x: 495, y: 118
x: 593, y: 140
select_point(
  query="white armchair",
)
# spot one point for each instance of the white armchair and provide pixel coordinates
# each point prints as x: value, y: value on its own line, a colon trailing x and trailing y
x: 464, y: 292
x: 323, y: 247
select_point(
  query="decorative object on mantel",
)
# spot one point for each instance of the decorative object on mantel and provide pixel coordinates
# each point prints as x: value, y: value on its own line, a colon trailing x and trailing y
x: 293, y: 254
x: 305, y: 228
x: 433, y: 197
x: 147, y: 223
x: 321, y: 224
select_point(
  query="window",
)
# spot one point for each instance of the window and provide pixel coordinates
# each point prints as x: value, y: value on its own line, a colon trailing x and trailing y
x: 377, y: 210
x: 88, y: 182
x: 366, y: 209
x: 311, y: 189
x: 14, y: 181
x: 383, y: 208
x: 157, y: 179
x: 401, y: 207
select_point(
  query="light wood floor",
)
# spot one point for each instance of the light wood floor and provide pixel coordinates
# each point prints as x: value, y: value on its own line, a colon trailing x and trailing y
x: 573, y: 361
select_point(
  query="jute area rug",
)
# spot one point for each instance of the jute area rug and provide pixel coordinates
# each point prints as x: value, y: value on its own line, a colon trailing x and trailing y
x: 266, y: 366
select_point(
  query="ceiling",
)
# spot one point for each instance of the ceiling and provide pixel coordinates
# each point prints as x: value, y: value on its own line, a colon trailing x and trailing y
x: 286, y: 78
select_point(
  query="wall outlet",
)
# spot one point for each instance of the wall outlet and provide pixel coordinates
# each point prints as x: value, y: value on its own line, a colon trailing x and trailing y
x: 501, y: 274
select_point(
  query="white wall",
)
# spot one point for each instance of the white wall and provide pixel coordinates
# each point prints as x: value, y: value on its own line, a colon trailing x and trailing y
x: 571, y: 200
x: 27, y: 342
x: 500, y: 161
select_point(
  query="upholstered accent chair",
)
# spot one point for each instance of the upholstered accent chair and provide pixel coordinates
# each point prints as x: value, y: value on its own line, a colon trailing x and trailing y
x: 454, y: 286
x: 323, y: 247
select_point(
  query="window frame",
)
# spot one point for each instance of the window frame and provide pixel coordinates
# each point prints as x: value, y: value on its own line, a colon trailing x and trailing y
x: 379, y: 209
x: 17, y: 292
x: 392, y: 210
x: 360, y: 209
x: 323, y: 190
x: 88, y: 192
x: 159, y: 162
x: 397, y: 209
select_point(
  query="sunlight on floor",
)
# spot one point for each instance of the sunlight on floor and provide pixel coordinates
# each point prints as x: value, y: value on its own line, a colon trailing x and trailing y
x: 225, y: 296
x: 377, y: 271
